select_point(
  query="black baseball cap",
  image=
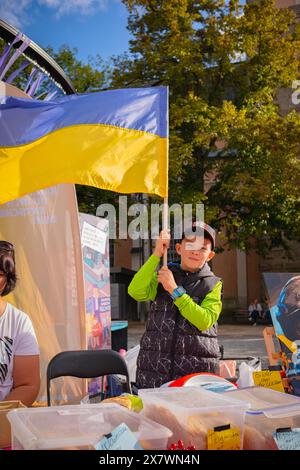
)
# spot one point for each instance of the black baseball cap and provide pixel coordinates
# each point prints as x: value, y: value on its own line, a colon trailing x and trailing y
x: 209, y: 232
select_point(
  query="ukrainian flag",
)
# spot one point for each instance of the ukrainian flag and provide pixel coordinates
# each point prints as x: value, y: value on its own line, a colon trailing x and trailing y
x: 115, y: 140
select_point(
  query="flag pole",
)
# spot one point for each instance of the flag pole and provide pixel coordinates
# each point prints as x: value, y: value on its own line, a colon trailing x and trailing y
x: 165, y: 227
x: 166, y: 201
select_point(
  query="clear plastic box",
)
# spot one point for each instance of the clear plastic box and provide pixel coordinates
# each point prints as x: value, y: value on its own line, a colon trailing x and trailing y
x: 269, y: 410
x: 79, y: 427
x: 190, y: 412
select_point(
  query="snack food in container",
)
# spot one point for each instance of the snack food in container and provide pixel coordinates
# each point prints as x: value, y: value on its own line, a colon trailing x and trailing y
x: 190, y: 412
x: 269, y: 410
x: 80, y: 427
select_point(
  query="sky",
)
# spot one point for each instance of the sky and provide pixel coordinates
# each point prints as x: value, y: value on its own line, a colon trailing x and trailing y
x: 92, y: 26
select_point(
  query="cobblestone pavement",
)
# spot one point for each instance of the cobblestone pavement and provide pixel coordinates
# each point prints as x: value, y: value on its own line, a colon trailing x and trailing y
x: 237, y: 340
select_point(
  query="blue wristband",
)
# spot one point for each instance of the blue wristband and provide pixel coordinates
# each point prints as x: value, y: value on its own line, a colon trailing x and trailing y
x: 178, y: 292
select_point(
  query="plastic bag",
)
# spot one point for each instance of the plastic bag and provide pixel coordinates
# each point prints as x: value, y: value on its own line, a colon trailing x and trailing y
x: 89, y: 399
x: 227, y: 368
x: 246, y: 370
x: 131, y: 358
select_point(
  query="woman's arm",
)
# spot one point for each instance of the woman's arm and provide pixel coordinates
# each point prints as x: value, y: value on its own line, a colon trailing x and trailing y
x: 26, y: 379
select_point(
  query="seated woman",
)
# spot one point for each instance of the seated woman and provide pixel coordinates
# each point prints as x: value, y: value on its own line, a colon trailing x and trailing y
x: 19, y: 351
x: 254, y: 311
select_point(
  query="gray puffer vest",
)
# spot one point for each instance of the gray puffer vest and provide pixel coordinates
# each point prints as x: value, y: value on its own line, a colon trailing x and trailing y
x: 171, y: 346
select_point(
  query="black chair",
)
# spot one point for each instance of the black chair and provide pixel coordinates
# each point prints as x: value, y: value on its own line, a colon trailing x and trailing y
x: 86, y: 365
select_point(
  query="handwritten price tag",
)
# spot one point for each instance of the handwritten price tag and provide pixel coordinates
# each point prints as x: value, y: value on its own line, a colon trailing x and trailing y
x: 228, y: 439
x: 288, y: 439
x: 269, y: 379
x: 120, y: 438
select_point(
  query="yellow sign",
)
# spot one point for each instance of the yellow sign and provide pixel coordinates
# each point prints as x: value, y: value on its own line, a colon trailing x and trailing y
x: 228, y: 439
x: 269, y: 379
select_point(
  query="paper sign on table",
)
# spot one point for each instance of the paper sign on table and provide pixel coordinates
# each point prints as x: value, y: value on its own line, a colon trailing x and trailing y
x: 287, y: 439
x: 120, y: 438
x: 227, y: 439
x: 269, y: 379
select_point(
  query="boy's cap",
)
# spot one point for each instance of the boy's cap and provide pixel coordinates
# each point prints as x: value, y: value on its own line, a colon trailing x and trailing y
x: 208, y: 231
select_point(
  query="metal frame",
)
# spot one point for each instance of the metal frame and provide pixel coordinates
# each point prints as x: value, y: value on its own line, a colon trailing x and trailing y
x: 38, y: 57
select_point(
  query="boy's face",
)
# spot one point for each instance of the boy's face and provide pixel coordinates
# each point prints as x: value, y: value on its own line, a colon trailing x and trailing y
x: 194, y: 252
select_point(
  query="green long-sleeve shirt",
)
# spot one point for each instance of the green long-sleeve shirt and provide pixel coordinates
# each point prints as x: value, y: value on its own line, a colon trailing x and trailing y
x: 144, y: 287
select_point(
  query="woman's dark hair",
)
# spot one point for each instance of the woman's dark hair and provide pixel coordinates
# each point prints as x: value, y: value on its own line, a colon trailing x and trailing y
x: 7, y: 266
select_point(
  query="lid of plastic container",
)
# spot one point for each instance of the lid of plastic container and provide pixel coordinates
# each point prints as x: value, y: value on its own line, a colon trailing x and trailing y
x: 59, y: 427
x: 186, y: 398
x: 266, y: 401
x: 208, y: 381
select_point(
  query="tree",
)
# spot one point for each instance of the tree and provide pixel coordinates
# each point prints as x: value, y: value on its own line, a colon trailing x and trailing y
x: 86, y: 77
x: 224, y: 63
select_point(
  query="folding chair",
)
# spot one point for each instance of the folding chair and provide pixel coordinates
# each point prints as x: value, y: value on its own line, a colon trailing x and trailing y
x: 86, y: 364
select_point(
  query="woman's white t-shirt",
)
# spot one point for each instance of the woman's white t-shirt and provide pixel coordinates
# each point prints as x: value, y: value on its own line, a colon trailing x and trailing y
x: 17, y: 338
x: 257, y: 307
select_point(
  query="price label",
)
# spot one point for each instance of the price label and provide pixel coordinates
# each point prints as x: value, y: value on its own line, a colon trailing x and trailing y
x: 269, y: 379
x: 287, y: 439
x: 224, y: 439
x: 120, y: 438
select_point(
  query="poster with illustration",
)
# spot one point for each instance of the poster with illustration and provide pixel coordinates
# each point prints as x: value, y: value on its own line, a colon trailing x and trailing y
x: 95, y: 252
x: 284, y: 297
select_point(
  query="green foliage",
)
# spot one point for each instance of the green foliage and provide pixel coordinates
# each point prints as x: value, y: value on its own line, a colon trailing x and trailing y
x: 86, y: 77
x: 256, y: 191
x: 224, y: 63
x: 90, y: 198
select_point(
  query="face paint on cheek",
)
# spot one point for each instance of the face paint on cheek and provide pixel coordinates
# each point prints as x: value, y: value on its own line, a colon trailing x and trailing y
x: 195, y: 245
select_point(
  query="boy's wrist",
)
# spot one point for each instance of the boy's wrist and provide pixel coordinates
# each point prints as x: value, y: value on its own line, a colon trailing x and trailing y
x: 172, y: 288
x: 156, y: 253
x: 156, y: 258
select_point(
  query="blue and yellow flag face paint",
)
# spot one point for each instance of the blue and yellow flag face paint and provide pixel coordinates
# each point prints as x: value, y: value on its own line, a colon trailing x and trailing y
x: 115, y: 140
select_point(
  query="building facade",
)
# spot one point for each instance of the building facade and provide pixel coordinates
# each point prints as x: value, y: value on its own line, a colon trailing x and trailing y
x: 241, y: 271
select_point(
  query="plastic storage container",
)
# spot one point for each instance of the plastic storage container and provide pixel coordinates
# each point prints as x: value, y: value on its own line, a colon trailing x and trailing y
x: 80, y: 427
x: 269, y: 410
x: 190, y: 412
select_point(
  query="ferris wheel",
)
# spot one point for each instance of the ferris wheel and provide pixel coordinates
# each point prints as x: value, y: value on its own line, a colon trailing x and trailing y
x: 45, y: 80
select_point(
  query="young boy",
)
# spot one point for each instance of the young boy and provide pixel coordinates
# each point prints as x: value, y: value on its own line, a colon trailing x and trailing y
x: 181, y: 331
